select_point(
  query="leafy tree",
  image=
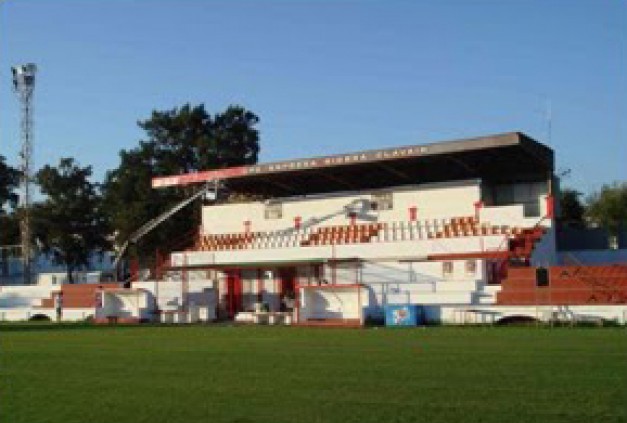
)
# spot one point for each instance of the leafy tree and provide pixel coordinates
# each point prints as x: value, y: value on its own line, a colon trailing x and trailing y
x: 9, y: 229
x: 572, y: 209
x: 69, y: 224
x: 9, y: 180
x: 181, y: 140
x: 608, y: 207
x: 9, y: 223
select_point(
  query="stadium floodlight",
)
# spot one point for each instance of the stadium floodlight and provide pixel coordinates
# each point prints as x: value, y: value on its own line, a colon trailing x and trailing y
x: 24, y: 78
x: 24, y: 85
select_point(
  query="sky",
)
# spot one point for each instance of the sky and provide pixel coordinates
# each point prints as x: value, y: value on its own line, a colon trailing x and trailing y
x: 325, y: 76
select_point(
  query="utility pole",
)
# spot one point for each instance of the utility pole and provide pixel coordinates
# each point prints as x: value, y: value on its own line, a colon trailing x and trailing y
x: 24, y: 85
x: 549, y: 121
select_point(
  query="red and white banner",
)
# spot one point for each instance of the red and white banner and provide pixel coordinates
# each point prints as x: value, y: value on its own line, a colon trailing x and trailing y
x: 291, y: 165
x: 194, y: 178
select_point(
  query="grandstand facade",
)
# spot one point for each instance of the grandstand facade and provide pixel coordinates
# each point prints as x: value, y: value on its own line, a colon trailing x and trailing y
x: 458, y: 228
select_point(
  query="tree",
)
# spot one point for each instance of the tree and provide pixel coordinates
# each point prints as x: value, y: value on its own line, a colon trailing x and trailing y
x: 70, y: 223
x: 9, y: 229
x: 9, y: 223
x: 9, y: 180
x: 572, y: 209
x: 180, y: 140
x: 608, y: 207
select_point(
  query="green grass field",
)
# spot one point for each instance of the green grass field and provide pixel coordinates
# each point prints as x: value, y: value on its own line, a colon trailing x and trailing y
x: 281, y: 374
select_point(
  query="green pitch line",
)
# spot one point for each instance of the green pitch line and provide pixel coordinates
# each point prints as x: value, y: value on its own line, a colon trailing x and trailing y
x: 282, y: 374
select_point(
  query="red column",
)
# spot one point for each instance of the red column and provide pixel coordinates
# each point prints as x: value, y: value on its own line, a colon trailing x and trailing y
x: 413, y: 213
x: 478, y: 205
x: 550, y: 206
x: 259, y: 285
x: 297, y: 222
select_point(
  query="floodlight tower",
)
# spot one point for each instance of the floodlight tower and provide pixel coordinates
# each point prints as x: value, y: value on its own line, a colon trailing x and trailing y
x: 24, y: 85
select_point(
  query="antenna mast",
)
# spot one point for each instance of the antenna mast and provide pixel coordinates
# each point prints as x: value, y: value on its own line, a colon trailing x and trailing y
x: 549, y: 121
x: 24, y: 85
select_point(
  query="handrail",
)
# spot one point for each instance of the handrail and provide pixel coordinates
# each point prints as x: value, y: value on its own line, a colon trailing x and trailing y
x: 581, y: 268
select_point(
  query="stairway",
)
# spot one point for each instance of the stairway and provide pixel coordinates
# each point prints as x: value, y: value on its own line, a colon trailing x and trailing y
x: 521, y: 245
x: 78, y: 295
x: 569, y: 285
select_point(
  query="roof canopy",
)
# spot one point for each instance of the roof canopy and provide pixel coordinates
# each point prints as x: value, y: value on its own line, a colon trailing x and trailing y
x: 496, y: 158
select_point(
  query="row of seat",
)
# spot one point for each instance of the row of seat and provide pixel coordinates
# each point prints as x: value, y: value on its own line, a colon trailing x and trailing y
x: 78, y: 295
x: 571, y: 285
x: 470, y: 226
x: 355, y: 234
x: 349, y: 234
x: 342, y: 229
x: 232, y: 241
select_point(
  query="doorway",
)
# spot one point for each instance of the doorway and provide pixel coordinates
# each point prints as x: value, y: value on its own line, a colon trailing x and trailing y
x: 287, y: 288
x: 234, y: 292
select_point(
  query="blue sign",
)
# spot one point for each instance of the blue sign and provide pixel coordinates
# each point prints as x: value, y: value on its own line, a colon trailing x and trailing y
x: 402, y: 315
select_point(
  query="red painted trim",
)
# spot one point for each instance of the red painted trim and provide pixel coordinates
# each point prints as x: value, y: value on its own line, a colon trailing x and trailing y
x: 191, y: 178
x: 471, y: 255
x: 234, y: 291
x: 317, y: 273
x: 413, y: 213
x: 333, y: 323
x: 348, y: 285
x: 297, y: 222
x: 550, y: 206
x: 478, y: 206
x: 259, y: 285
x: 275, y: 291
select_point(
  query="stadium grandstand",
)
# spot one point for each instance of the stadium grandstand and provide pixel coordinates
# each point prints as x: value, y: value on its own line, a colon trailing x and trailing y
x: 465, y: 230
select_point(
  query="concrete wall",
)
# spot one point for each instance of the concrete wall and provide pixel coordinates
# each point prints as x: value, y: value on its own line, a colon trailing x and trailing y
x: 25, y: 313
x: 492, y: 314
x: 424, y: 283
x: 512, y: 215
x: 168, y: 296
x: 399, y: 250
x: 24, y: 296
x: 332, y: 303
x: 441, y: 200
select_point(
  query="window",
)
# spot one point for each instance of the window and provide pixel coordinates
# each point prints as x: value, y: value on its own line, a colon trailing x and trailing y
x: 447, y: 269
x: 471, y: 267
x: 382, y: 201
x: 531, y: 209
x: 273, y: 211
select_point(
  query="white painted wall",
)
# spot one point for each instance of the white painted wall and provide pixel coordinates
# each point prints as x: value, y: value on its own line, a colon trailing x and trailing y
x: 512, y: 215
x: 374, y: 250
x: 422, y: 283
x: 332, y: 303
x: 169, y: 296
x: 489, y: 314
x: 441, y: 200
x: 126, y: 304
x: 25, y: 313
x: 24, y: 295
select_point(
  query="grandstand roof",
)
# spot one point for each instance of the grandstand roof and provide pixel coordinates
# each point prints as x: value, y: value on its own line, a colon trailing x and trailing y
x: 497, y: 158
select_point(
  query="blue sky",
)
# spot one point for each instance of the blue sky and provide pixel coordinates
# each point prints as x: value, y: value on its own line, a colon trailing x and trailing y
x: 325, y: 76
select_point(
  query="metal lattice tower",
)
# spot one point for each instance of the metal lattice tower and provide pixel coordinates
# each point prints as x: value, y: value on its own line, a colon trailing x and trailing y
x: 24, y: 85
